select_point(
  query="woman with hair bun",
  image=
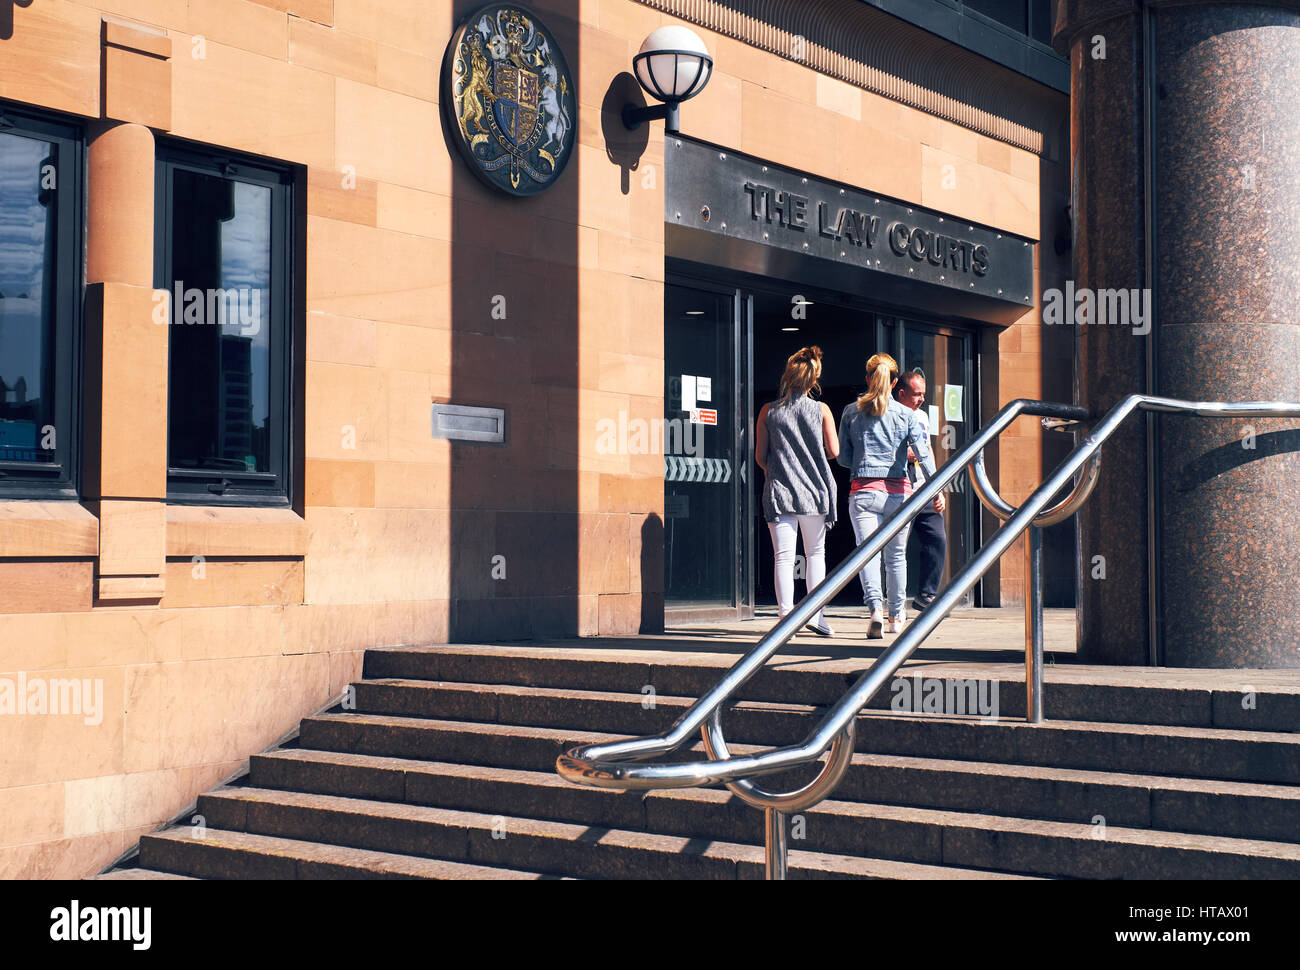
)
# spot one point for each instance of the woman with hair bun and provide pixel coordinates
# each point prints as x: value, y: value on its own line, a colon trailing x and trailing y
x: 793, y: 437
x: 875, y: 431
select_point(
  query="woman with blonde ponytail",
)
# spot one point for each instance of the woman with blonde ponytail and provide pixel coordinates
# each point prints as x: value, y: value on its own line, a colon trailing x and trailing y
x: 875, y: 431
x: 793, y: 437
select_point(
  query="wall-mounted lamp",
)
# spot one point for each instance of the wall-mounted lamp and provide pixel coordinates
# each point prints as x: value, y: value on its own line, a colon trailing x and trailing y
x: 673, y: 66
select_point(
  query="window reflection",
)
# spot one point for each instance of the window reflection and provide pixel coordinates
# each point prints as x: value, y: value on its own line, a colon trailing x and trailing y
x: 219, y: 397
x: 27, y: 260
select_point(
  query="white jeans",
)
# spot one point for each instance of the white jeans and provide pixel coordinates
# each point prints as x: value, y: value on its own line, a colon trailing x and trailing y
x: 867, y: 509
x: 784, y: 533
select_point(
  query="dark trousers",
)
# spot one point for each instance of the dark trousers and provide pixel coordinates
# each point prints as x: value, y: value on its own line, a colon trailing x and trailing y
x: 928, y: 531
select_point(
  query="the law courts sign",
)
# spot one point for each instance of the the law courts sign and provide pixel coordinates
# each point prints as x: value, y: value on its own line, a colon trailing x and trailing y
x: 718, y: 192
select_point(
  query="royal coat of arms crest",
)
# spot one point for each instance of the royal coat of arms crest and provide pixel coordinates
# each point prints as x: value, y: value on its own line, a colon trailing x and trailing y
x: 509, y: 99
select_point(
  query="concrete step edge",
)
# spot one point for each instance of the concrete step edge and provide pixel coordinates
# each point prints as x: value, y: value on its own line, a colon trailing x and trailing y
x: 565, y: 693
x: 904, y: 814
x: 125, y: 875
x: 637, y: 700
x: 337, y: 856
x: 745, y: 855
x: 612, y: 652
x: 1069, y: 776
x: 1190, y: 734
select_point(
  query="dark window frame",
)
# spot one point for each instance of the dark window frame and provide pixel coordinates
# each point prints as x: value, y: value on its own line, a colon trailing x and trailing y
x: 275, y: 487
x: 966, y: 27
x: 60, y: 479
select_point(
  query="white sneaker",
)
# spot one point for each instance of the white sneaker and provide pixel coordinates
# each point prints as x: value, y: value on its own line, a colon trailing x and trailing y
x: 823, y: 629
x: 874, y: 626
x: 895, y: 624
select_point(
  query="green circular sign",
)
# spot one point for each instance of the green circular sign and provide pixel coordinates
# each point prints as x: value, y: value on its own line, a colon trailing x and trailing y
x: 952, y: 403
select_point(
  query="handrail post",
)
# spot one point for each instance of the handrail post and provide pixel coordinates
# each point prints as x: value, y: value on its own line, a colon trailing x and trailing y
x: 1034, y: 625
x: 774, y: 838
x: 610, y: 764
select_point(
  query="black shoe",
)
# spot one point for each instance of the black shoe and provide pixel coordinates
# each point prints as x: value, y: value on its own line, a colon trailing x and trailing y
x: 922, y: 602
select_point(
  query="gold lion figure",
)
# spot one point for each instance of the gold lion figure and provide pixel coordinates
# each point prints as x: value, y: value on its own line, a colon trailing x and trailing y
x: 477, y: 85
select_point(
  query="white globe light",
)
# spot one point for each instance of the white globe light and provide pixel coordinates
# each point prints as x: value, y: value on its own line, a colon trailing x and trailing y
x: 673, y: 64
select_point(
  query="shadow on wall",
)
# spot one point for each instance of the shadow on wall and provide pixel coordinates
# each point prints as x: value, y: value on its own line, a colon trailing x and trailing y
x: 652, y: 574
x: 1224, y: 458
x: 1057, y: 355
x: 515, y: 520
x: 623, y: 147
x: 524, y: 545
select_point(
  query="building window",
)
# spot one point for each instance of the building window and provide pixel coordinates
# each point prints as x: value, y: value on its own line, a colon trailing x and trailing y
x: 1030, y: 17
x: 41, y: 164
x: 224, y: 248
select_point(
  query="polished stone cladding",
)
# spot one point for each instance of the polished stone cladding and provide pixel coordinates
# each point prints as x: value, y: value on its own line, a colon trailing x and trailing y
x: 1107, y: 213
x: 1227, y: 142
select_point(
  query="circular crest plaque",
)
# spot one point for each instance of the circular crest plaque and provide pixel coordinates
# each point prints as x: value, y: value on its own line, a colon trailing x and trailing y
x: 509, y: 99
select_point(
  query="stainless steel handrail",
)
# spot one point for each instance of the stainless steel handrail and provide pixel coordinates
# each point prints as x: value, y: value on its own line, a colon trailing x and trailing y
x: 990, y: 499
x: 606, y: 765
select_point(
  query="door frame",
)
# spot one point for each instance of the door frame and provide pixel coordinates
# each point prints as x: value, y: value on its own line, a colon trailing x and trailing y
x: 742, y: 481
x: 969, y: 336
x: 743, y: 286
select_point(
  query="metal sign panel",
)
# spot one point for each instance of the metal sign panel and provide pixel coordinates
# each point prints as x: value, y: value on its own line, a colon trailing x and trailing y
x: 460, y: 422
x: 740, y: 198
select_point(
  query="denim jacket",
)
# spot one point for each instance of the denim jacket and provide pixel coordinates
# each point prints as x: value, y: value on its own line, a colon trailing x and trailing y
x: 876, y: 447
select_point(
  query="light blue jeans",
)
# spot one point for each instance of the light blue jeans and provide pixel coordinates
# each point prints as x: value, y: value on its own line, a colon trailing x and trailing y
x: 866, y: 510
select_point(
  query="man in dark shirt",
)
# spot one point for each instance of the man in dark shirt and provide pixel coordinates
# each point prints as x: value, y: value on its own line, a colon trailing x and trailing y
x: 927, y: 527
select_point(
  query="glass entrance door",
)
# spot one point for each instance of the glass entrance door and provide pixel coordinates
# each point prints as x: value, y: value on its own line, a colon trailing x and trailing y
x: 724, y: 349
x: 944, y: 356
x: 706, y: 453
x: 848, y: 335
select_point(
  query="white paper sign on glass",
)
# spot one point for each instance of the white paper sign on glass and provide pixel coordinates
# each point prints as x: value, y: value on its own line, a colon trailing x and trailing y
x: 952, y: 402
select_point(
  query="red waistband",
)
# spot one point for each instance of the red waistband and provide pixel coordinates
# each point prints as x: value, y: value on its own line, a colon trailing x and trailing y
x: 891, y: 486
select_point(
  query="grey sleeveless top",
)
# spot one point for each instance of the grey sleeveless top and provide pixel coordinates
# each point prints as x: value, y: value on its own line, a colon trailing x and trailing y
x: 798, y: 480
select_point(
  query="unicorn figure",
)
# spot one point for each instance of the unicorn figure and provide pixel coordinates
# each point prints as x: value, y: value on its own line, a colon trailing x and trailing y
x: 557, y: 118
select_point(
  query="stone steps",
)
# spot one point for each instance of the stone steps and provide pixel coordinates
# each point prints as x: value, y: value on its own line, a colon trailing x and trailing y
x: 1148, y: 749
x: 221, y: 854
x: 1263, y: 812
x: 499, y: 840
x: 442, y: 766
x: 1120, y: 695
x: 839, y: 827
